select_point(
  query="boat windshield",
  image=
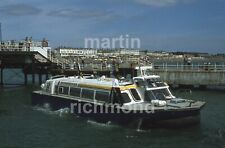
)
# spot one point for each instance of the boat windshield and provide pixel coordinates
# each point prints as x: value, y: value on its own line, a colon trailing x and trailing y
x: 154, y: 82
x: 157, y: 94
x: 139, y: 82
x: 148, y: 72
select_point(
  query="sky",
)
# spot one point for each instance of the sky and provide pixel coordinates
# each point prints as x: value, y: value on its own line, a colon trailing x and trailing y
x: 168, y: 25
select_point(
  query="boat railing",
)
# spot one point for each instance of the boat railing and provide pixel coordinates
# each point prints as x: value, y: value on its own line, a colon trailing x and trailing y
x: 57, y: 76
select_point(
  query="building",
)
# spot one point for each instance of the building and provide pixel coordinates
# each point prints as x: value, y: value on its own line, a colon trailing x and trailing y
x: 26, y: 45
x: 158, y: 54
x: 119, y: 52
x: 130, y: 52
x: 77, y: 52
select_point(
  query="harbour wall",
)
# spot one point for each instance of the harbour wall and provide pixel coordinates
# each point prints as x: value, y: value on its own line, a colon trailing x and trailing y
x: 194, y: 78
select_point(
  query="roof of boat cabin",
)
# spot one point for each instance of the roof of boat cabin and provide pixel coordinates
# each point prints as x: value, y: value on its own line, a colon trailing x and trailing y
x: 101, y: 83
x: 148, y: 76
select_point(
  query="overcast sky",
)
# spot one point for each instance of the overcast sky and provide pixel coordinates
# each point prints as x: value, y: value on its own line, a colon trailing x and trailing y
x: 169, y: 25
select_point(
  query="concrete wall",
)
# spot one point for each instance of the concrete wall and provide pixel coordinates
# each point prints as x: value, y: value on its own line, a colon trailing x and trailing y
x: 192, y: 78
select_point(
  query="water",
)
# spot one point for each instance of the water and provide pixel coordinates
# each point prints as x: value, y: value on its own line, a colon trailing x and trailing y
x: 24, y: 126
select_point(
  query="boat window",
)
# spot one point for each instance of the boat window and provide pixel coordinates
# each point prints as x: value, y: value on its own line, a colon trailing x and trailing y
x: 48, y: 87
x: 66, y: 90
x: 87, y: 93
x: 125, y: 98
x: 60, y: 90
x: 63, y: 90
x: 153, y: 82
x: 161, y: 93
x: 160, y: 84
x: 102, y: 96
x: 75, y: 92
x: 56, y: 87
x: 150, y: 83
x: 139, y: 82
x: 135, y: 94
x: 149, y: 95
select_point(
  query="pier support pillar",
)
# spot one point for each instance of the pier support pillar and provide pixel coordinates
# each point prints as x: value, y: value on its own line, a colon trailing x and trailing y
x: 33, y: 72
x: 1, y: 79
x: 33, y: 78
x: 40, y: 78
x: 25, y: 78
x: 46, y: 76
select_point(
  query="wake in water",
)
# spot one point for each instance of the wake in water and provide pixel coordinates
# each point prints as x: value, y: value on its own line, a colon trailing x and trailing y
x: 95, y: 123
x: 110, y: 125
x: 66, y: 111
x: 46, y: 109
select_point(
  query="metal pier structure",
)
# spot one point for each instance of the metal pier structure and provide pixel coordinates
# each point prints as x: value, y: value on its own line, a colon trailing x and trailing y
x: 31, y: 63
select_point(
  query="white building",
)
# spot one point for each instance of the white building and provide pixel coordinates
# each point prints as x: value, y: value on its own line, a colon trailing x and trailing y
x: 26, y: 45
x: 120, y: 52
x: 129, y: 52
x: 74, y: 52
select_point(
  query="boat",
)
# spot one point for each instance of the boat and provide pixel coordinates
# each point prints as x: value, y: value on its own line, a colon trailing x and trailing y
x: 144, y: 102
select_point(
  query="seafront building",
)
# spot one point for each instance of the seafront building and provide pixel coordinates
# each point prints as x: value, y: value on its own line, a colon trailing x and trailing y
x: 76, y: 52
x: 28, y: 44
x: 100, y: 55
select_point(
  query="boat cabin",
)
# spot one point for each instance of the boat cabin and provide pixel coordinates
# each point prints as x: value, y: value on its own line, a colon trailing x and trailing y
x: 103, y: 90
x: 152, y: 86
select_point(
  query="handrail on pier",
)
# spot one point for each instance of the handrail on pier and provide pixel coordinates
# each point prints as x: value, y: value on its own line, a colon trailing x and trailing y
x: 192, y: 67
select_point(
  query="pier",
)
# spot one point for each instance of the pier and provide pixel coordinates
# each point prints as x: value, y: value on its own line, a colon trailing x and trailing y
x: 191, y: 75
x: 30, y: 63
x: 33, y: 63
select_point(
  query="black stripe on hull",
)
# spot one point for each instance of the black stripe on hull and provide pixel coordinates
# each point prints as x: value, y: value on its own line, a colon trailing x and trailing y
x: 175, y: 118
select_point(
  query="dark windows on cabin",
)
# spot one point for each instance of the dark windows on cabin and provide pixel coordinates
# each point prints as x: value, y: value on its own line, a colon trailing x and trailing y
x: 75, y: 92
x: 60, y: 90
x: 66, y: 90
x: 48, y: 87
x: 87, y: 93
x: 155, y: 82
x: 160, y: 94
x: 56, y: 87
x: 152, y: 82
x: 135, y: 94
x: 139, y: 82
x: 102, y: 96
x: 125, y: 98
x: 160, y: 84
x: 63, y: 90
x: 149, y: 96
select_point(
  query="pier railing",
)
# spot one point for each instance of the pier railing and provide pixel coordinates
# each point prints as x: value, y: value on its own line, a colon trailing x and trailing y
x: 90, y: 66
x: 192, y: 67
x: 159, y: 67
